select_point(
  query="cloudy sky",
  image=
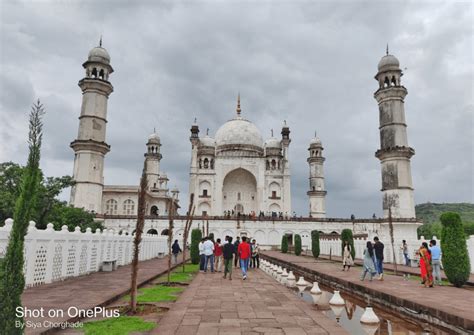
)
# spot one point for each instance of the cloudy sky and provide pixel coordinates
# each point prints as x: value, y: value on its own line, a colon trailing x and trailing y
x: 310, y: 63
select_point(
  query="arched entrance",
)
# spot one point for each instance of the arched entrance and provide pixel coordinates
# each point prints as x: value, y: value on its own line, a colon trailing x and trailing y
x: 154, y: 210
x: 239, y: 192
x: 152, y: 231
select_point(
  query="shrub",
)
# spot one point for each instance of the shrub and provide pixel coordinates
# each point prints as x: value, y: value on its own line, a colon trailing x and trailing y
x: 453, y: 246
x: 196, y: 236
x: 346, y: 235
x: 284, y: 244
x: 297, y: 245
x: 315, y: 243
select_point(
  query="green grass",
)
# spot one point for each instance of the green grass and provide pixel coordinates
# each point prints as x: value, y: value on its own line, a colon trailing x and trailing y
x: 178, y: 276
x: 122, y: 325
x: 157, y: 293
x: 188, y: 268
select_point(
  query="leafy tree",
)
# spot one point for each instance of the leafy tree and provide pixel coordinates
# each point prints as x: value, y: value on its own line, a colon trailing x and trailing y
x: 346, y: 235
x: 62, y: 214
x: 315, y: 243
x: 284, y: 244
x: 196, y: 236
x: 297, y: 245
x: 453, y: 245
x: 12, y: 277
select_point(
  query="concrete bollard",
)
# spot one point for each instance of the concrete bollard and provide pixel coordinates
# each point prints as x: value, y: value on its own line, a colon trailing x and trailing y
x: 369, y: 316
x: 336, y: 299
x: 284, y: 277
x: 291, y: 279
x: 301, y: 284
x: 315, y: 289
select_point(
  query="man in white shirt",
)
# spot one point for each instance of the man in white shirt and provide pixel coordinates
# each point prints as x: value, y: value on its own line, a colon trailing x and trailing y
x: 208, y: 249
x: 202, y: 257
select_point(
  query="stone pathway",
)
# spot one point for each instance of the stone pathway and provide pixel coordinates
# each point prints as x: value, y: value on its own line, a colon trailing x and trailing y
x: 259, y: 305
x: 444, y: 302
x: 87, y: 292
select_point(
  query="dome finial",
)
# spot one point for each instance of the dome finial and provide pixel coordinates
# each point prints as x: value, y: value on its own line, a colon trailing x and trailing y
x: 387, y: 49
x: 238, y: 105
x: 100, y: 41
x: 272, y: 132
x: 315, y: 134
x: 207, y: 132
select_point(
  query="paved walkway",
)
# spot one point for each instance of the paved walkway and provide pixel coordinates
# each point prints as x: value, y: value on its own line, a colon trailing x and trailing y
x: 86, y: 292
x: 212, y: 305
x: 444, y: 302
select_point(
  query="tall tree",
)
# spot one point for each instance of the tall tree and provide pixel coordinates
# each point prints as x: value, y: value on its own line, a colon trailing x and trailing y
x: 187, y: 226
x: 137, y: 240
x: 12, y: 279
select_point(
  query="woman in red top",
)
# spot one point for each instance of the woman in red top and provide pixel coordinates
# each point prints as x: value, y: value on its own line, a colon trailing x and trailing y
x: 218, y: 254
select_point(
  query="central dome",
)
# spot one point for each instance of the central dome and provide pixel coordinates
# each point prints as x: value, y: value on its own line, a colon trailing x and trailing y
x: 238, y: 134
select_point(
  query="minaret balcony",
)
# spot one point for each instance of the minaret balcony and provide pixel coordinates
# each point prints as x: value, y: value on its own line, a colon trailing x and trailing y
x: 318, y: 193
x: 395, y: 152
x: 90, y: 145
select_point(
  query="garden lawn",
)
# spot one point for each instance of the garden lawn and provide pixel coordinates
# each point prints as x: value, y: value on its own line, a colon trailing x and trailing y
x: 122, y: 325
x: 157, y: 293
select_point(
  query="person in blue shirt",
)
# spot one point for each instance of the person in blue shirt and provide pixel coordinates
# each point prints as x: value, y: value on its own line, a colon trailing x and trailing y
x: 436, y: 261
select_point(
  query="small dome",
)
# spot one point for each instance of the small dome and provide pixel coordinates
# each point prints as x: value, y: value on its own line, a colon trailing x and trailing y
x: 99, y: 54
x: 315, y: 141
x: 272, y: 143
x: 239, y: 132
x: 389, y: 62
x: 154, y: 138
x: 207, y: 141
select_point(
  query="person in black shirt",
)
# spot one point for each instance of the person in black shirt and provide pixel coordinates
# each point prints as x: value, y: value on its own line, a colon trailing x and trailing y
x: 378, y: 248
x: 176, y: 249
x: 228, y: 251
x: 236, y: 246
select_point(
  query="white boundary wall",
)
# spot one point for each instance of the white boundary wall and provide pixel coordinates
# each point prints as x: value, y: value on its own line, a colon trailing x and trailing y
x: 52, y: 255
x: 333, y: 246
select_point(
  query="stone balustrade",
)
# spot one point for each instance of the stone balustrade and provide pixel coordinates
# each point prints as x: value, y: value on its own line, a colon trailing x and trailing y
x: 52, y: 255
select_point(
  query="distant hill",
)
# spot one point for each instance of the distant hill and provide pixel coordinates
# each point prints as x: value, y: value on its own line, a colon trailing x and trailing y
x: 430, y: 212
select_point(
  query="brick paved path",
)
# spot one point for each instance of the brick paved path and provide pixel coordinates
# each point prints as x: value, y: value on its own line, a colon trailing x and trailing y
x: 446, y: 302
x: 259, y: 305
x: 86, y: 292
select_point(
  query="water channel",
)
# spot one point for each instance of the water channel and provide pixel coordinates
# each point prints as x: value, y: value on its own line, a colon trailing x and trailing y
x: 349, y: 315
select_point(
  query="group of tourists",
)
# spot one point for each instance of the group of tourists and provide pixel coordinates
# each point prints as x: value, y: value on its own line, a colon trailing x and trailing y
x: 430, y: 263
x: 239, y: 253
x: 373, y: 260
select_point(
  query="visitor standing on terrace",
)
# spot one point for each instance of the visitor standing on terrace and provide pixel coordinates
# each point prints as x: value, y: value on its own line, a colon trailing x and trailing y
x: 244, y: 254
x: 378, y: 248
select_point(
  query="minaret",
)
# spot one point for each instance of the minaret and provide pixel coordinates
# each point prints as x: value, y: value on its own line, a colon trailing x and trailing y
x: 285, y: 144
x: 194, y: 139
x: 394, y: 152
x: 317, y: 191
x: 152, y: 161
x: 90, y: 146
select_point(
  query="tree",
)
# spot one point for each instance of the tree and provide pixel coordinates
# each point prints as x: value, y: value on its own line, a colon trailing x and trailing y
x: 196, y: 237
x: 171, y: 210
x: 453, y: 245
x: 62, y: 214
x: 346, y: 235
x: 187, y: 226
x: 138, y: 238
x: 284, y: 244
x: 11, y: 274
x: 297, y: 245
x: 315, y: 243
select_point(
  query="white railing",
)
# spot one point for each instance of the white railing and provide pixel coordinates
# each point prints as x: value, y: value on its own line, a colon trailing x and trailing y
x: 333, y: 246
x: 52, y: 255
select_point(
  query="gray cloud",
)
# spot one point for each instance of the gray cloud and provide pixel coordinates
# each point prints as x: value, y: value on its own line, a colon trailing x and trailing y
x: 311, y: 64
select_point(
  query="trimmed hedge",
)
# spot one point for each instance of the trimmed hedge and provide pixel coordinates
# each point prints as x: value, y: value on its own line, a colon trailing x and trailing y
x: 284, y: 244
x: 346, y: 235
x: 454, y: 249
x: 196, y: 236
x: 315, y: 243
x: 297, y: 245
